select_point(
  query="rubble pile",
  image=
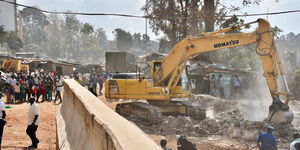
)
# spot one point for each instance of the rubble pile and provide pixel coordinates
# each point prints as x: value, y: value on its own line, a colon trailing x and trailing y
x: 219, y: 105
x: 227, y: 121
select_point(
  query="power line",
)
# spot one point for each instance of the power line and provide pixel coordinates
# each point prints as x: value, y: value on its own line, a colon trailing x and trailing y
x: 137, y: 16
x: 74, y: 13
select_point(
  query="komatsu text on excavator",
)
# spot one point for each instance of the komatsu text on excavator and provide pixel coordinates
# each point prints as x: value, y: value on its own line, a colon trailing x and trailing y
x: 165, y: 85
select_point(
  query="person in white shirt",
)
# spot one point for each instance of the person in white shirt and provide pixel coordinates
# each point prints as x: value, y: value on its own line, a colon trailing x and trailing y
x: 295, y: 145
x: 33, y: 122
x: 2, y: 117
x: 59, y: 87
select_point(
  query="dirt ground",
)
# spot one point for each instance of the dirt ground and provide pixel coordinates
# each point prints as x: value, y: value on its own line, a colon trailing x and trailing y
x: 15, y: 136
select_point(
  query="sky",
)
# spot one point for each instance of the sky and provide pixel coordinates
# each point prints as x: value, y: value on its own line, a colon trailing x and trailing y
x: 287, y: 22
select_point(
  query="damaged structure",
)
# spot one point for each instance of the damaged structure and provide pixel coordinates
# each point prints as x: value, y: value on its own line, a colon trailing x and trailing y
x: 202, y: 70
x: 62, y: 68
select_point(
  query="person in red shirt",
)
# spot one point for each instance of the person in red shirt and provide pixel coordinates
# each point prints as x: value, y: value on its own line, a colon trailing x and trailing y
x: 42, y: 91
x: 32, y: 91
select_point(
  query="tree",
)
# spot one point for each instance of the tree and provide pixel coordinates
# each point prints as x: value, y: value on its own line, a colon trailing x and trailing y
x: 87, y: 29
x: 123, y: 39
x: 54, y: 37
x: 3, y: 34
x: 209, y: 11
x: 181, y: 18
x: 164, y: 45
x: 102, y: 43
x: 137, y: 40
x: 102, y: 39
x: 34, y: 23
x: 71, y: 36
x: 145, y: 42
x: 13, y: 41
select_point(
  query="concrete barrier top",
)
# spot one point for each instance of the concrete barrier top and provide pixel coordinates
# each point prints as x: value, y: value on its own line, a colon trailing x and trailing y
x: 124, y: 134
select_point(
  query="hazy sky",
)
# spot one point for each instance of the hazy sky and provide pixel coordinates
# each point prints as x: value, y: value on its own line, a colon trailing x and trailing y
x: 287, y: 22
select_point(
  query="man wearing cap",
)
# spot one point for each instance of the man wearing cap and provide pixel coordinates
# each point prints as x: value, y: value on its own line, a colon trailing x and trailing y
x: 33, y: 122
x: 266, y: 140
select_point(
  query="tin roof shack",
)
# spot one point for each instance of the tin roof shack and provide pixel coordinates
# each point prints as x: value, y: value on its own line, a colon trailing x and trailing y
x: 5, y: 57
x: 202, y: 71
x: 120, y: 62
x: 62, y: 68
x: 25, y: 54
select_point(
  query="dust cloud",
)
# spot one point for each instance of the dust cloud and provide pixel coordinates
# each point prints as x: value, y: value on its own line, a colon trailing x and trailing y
x: 256, y: 100
x: 254, y: 105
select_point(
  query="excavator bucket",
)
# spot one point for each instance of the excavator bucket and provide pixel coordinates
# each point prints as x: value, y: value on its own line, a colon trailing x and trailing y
x: 280, y: 113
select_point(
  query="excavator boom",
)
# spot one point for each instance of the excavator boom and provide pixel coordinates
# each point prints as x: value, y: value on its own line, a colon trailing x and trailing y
x: 166, y: 74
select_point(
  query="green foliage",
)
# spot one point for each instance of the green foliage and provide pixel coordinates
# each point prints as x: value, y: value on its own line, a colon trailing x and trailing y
x: 295, y: 86
x: 141, y: 42
x: 34, y: 23
x: 164, y: 45
x: 87, y: 29
x: 13, y: 41
x: 276, y: 31
x: 65, y: 37
x: 3, y: 34
x: 241, y: 57
x: 178, y: 19
x: 124, y: 39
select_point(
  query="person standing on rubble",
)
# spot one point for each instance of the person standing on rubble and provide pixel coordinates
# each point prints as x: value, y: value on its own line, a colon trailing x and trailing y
x: 206, y: 85
x: 236, y: 85
x: 214, y: 90
x: 266, y: 140
x: 221, y: 86
x: 295, y: 145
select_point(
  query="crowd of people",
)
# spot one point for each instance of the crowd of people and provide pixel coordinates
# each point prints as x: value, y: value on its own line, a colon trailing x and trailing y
x: 94, y: 80
x: 34, y: 87
x: 214, y: 84
x: 20, y: 87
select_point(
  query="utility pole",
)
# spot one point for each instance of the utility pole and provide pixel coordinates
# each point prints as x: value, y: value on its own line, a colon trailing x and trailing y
x: 146, y: 29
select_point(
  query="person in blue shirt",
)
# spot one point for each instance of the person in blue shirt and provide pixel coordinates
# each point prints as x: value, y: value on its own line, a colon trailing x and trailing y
x: 266, y: 140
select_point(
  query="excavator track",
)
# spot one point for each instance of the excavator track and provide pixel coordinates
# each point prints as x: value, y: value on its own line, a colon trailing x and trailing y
x: 193, y: 110
x: 140, y: 110
x: 152, y: 113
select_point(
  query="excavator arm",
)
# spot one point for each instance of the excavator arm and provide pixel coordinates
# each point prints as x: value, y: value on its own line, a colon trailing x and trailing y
x: 165, y: 82
x: 172, y: 66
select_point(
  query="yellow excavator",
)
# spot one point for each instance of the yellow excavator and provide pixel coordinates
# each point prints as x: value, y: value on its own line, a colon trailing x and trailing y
x: 164, y: 88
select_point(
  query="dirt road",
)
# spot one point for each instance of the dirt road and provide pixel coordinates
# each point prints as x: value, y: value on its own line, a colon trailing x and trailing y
x: 15, y: 131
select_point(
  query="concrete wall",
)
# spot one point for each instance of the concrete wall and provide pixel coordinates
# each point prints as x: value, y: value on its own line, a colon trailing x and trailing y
x: 85, y: 123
